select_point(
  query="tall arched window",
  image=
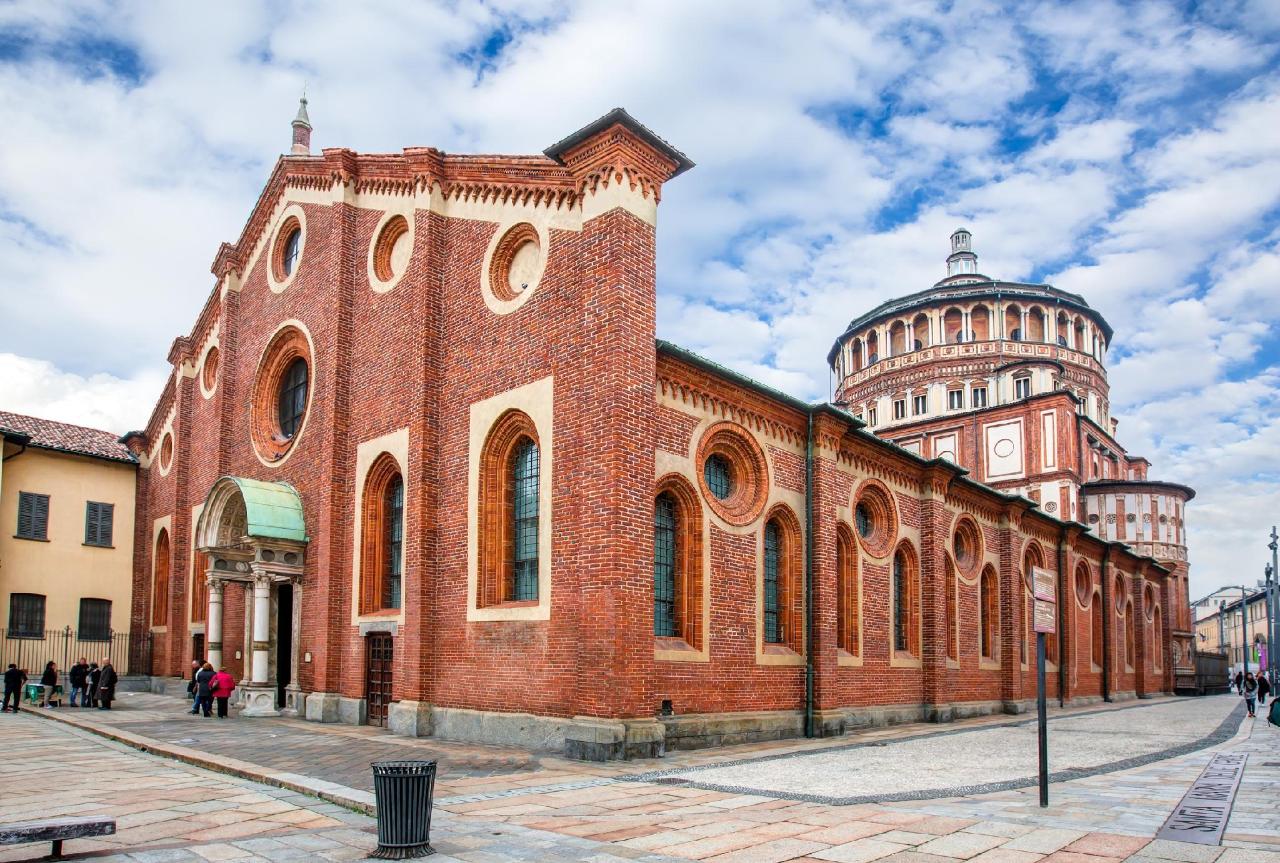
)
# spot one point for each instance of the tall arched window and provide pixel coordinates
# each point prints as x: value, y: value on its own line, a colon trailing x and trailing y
x: 508, y: 508
x: 382, y: 537
x: 772, y: 600
x: 199, y: 587
x: 989, y: 602
x: 677, y: 561
x: 848, y: 623
x: 953, y: 617
x: 906, y: 622
x: 524, y: 521
x: 160, y: 593
x: 1156, y: 640
x: 1129, y: 652
x: 666, y: 611
x: 1095, y: 633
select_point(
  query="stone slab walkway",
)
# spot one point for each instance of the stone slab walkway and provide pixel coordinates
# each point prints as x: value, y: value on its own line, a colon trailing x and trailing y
x: 532, y: 802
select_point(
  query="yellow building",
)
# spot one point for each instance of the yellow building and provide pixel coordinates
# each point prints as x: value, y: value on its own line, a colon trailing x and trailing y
x: 66, y: 544
x: 1220, y: 630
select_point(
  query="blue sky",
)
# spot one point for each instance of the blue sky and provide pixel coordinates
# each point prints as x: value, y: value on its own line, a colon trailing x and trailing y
x: 1126, y: 151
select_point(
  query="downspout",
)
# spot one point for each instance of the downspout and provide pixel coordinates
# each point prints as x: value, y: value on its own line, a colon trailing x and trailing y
x: 808, y: 579
x: 1062, y: 617
x: 1106, y: 630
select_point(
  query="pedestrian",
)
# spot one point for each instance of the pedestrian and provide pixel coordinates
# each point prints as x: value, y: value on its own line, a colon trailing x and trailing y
x: 48, y: 681
x: 94, y: 674
x: 204, y: 689
x: 78, y: 677
x: 223, y: 685
x: 107, y: 680
x: 1264, y: 688
x: 1239, y: 680
x: 1249, y: 689
x: 14, y: 678
x: 191, y: 687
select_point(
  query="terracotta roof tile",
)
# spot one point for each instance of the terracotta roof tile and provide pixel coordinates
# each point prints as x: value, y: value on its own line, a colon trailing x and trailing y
x: 65, y: 437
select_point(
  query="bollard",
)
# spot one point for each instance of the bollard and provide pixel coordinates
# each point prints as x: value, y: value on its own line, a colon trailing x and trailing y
x: 402, y: 792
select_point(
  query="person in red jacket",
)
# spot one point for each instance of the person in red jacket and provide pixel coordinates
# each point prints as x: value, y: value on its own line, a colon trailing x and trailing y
x: 223, y: 685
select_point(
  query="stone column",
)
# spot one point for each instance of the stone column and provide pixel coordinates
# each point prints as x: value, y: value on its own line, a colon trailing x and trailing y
x: 259, y: 694
x: 213, y: 623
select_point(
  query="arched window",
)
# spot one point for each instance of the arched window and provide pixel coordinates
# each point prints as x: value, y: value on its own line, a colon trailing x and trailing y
x: 1012, y: 322
x: 1129, y: 652
x: 524, y: 521
x: 980, y: 323
x: 382, y: 537
x: 1156, y: 641
x: 291, y: 401
x: 292, y: 251
x: 953, y: 618
x: 677, y: 561
x: 781, y: 617
x: 897, y: 339
x: 1095, y: 626
x: 509, y: 530
x: 989, y: 602
x: 666, y: 612
x: 1035, y: 324
x: 848, y: 622
x: 160, y: 569
x: 199, y: 587
x: 906, y: 620
x: 920, y: 332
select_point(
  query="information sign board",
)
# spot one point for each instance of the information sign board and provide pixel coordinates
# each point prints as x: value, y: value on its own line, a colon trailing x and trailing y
x: 1043, y: 584
x: 1045, y: 617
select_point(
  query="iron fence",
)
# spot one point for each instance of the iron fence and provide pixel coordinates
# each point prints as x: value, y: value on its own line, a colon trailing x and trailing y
x: 129, y: 652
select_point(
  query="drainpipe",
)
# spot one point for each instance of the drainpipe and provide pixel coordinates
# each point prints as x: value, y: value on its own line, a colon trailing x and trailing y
x: 809, y: 730
x: 1106, y: 630
x: 1062, y: 617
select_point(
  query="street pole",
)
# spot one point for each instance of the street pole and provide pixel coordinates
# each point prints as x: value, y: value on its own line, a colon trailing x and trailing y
x: 1275, y: 586
x: 1266, y: 599
x: 1244, y: 626
x: 1042, y: 721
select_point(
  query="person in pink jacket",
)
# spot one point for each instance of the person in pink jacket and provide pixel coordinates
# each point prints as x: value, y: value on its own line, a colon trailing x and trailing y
x: 222, y: 685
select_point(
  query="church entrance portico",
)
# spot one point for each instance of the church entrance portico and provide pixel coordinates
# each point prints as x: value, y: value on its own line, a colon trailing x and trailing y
x: 254, y: 538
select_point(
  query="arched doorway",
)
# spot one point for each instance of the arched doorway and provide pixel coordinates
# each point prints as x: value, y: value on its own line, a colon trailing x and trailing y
x: 253, y: 537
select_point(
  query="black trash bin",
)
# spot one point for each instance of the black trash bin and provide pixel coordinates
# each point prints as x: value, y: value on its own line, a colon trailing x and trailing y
x: 402, y: 791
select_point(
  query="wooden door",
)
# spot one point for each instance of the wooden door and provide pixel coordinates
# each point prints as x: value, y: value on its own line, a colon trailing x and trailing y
x: 378, y: 677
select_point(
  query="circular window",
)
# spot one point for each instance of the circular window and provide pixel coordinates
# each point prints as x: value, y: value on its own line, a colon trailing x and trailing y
x: 209, y: 371
x: 516, y: 265
x: 166, y: 452
x: 288, y: 249
x: 876, y: 518
x: 281, y: 394
x: 1084, y: 587
x: 735, y: 475
x: 719, y: 476
x: 391, y: 250
x: 966, y: 543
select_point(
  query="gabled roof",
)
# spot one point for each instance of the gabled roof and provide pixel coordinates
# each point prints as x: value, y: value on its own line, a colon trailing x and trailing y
x: 64, y: 437
x: 619, y: 115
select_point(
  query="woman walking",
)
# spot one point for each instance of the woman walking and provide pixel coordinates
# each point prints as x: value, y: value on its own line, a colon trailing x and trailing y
x: 1249, y: 690
x: 223, y: 685
x: 1264, y: 688
x: 48, y: 681
x: 204, y: 689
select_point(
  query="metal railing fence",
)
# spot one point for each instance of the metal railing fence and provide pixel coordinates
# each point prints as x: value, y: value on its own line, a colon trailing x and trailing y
x: 130, y: 652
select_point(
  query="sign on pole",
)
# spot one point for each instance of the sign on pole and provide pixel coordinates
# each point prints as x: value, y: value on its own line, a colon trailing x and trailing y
x: 1044, y: 590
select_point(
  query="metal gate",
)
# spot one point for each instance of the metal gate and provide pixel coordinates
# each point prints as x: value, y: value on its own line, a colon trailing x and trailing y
x: 378, y: 677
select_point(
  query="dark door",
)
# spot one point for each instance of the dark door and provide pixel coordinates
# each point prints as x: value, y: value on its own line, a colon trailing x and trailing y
x: 284, y: 640
x: 197, y: 648
x: 378, y: 677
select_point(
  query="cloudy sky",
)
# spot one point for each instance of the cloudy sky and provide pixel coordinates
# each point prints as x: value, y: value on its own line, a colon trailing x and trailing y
x: 1126, y: 151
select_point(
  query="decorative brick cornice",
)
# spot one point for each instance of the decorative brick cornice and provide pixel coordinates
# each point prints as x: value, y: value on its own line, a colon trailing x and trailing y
x: 615, y: 149
x: 692, y: 387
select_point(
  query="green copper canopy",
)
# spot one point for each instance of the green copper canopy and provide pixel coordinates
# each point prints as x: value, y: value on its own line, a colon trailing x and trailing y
x: 273, y: 510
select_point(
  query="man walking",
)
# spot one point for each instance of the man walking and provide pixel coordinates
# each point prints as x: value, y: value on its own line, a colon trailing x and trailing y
x: 79, y: 678
x: 191, y: 687
x: 106, y: 684
x: 13, y: 680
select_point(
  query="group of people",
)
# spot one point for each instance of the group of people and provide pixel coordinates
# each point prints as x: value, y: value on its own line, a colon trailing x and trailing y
x: 1253, y: 689
x: 207, y: 686
x: 93, y: 685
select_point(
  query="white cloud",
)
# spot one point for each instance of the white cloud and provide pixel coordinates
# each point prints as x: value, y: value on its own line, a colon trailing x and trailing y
x: 1124, y: 151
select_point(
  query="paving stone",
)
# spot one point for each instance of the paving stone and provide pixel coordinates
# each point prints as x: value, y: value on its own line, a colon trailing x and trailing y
x: 1044, y: 840
x: 860, y: 851
x: 960, y: 845
x: 1186, y: 852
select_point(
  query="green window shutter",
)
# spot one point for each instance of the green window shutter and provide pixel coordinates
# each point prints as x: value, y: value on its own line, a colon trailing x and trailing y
x: 33, y: 515
x: 26, y: 505
x: 98, y: 518
x: 106, y: 518
x: 91, y: 523
x: 41, y: 520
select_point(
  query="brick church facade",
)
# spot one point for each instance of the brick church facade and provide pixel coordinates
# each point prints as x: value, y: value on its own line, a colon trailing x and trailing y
x: 422, y: 463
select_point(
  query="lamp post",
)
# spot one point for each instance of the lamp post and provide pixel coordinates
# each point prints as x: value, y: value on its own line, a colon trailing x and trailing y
x: 1273, y: 626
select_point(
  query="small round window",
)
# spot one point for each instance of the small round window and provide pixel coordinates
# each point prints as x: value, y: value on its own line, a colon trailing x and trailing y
x: 719, y: 476
x: 166, y: 452
x: 209, y: 373
x: 864, y: 520
x: 292, y: 249
x: 517, y: 263
x: 291, y: 400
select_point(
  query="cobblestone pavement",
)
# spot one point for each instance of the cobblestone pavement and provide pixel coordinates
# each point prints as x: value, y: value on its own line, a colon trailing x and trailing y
x: 534, y: 802
x: 979, y: 760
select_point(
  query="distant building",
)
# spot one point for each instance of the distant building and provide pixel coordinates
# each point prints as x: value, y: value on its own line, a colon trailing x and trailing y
x: 1008, y: 380
x: 66, y: 540
x: 1219, y: 628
